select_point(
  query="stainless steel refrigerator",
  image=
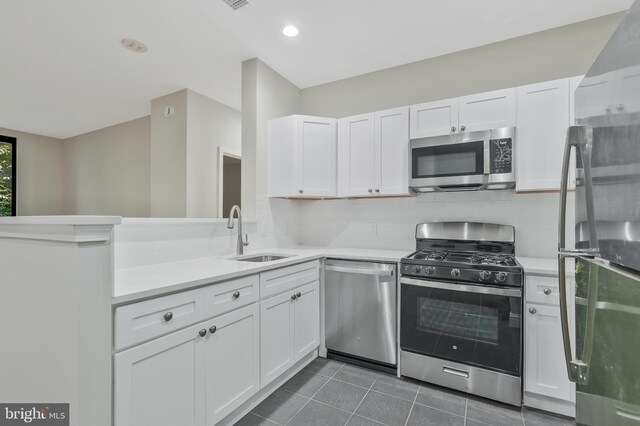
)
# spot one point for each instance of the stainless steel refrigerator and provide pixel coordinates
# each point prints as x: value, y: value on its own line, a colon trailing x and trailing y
x: 605, y: 361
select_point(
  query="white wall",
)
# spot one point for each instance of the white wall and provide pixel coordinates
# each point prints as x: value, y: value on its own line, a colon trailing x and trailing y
x: 107, y: 171
x: 210, y: 125
x: 40, y: 174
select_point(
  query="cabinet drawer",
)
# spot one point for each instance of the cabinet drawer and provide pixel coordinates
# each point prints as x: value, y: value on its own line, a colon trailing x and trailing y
x: 537, y: 288
x: 227, y: 296
x: 279, y: 280
x: 152, y: 318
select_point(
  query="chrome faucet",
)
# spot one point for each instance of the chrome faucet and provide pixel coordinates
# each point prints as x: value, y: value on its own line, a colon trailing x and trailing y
x: 241, y: 244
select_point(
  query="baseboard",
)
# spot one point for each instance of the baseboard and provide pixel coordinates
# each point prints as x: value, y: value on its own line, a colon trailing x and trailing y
x: 552, y: 405
x: 264, y: 393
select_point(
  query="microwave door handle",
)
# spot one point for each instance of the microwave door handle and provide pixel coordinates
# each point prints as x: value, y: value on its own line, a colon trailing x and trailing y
x: 487, y: 157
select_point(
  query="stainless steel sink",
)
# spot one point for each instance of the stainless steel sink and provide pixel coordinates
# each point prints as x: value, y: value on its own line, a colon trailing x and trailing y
x: 262, y: 258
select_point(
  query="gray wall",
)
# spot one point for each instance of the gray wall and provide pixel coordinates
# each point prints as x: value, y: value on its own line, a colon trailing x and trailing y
x: 265, y: 95
x: 561, y: 52
x: 40, y: 174
x: 107, y: 171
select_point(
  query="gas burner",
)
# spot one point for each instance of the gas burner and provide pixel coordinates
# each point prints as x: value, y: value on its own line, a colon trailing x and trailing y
x: 431, y: 255
x: 489, y: 259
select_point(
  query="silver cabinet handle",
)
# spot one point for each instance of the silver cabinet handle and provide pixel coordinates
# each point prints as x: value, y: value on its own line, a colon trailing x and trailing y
x: 202, y: 332
x: 386, y: 272
x: 213, y: 329
x: 294, y: 297
x: 453, y: 129
x: 168, y: 316
x: 547, y: 291
x: 298, y: 295
x: 532, y: 310
x: 463, y: 128
x: 236, y: 294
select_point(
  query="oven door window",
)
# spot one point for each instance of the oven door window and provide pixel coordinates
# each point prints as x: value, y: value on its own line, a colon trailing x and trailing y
x: 476, y: 329
x: 461, y: 159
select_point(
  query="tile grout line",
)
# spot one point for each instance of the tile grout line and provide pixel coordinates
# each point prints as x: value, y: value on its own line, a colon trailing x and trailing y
x: 363, y: 398
x: 309, y: 399
x: 264, y: 418
x: 466, y: 407
x: 406, y: 422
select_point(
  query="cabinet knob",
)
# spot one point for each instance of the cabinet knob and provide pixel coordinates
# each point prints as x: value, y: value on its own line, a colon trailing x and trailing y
x: 532, y: 310
x: 213, y: 329
x: 453, y: 129
x: 547, y: 291
x: 298, y: 295
x: 378, y: 190
x: 202, y: 332
x: 463, y: 128
x: 236, y: 294
x: 294, y: 297
x: 168, y: 316
x: 370, y: 190
x: 300, y: 191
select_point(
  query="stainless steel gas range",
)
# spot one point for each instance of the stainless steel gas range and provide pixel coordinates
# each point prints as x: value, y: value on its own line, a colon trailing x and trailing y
x: 460, y: 310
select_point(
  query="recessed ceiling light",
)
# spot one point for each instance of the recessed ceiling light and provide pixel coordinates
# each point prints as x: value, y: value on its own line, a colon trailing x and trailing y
x: 290, y: 31
x: 134, y: 45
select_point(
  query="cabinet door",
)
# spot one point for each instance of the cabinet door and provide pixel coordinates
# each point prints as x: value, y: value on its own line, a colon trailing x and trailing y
x: 356, y: 155
x: 232, y: 355
x: 486, y: 111
x: 317, y: 157
x: 306, y: 319
x: 545, y: 372
x: 276, y: 336
x: 433, y: 118
x: 161, y: 383
x: 392, y: 152
x: 543, y: 119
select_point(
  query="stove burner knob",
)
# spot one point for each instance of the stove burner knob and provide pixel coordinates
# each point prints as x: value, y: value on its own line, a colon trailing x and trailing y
x: 416, y: 269
x: 485, y: 275
x: 430, y: 270
x: 455, y: 273
x: 501, y: 277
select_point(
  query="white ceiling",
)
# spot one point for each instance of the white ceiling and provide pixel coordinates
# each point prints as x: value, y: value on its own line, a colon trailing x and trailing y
x: 63, y: 71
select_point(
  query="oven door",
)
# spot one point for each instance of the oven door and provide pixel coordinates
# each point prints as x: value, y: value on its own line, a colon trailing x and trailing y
x: 455, y: 160
x: 469, y: 324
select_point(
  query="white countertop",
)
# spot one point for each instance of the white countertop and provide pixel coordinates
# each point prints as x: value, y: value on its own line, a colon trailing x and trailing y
x: 154, y: 280
x: 61, y: 220
x: 149, y: 281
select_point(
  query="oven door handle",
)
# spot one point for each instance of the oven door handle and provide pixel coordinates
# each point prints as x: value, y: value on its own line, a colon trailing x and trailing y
x: 487, y: 157
x: 467, y: 288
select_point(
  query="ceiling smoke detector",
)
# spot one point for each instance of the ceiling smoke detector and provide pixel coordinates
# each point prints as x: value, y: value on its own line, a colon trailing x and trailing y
x: 236, y: 4
x: 134, y: 45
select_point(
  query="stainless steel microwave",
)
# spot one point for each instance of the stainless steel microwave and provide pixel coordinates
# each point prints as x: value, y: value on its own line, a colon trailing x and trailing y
x: 464, y: 161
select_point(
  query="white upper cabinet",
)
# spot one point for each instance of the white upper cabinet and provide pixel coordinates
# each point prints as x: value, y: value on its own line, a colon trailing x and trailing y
x: 373, y: 154
x: 434, y: 118
x: 485, y: 111
x: 543, y: 119
x: 356, y: 155
x: 302, y: 157
x: 392, y: 152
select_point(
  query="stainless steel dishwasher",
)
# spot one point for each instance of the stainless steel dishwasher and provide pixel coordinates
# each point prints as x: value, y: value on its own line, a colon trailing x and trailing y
x: 360, y: 311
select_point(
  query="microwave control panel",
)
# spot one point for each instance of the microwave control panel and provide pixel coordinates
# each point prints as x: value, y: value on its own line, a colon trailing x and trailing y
x: 501, y: 156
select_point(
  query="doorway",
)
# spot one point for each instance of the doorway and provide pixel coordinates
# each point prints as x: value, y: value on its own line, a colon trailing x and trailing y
x: 229, y: 180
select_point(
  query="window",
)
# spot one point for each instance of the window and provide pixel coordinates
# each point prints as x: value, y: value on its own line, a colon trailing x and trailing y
x: 7, y: 176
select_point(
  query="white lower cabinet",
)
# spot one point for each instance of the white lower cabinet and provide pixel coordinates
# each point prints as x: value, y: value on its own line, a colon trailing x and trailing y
x: 545, y: 371
x: 289, y: 329
x: 162, y: 383
x: 232, y: 354
x: 195, y: 376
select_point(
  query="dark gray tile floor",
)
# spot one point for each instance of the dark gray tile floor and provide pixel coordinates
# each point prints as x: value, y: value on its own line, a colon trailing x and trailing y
x: 335, y: 394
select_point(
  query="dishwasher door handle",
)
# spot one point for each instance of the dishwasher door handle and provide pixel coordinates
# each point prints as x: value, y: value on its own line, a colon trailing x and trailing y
x: 363, y: 271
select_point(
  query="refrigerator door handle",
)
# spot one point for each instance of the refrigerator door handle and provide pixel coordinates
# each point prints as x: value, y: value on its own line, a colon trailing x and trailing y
x: 576, y: 137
